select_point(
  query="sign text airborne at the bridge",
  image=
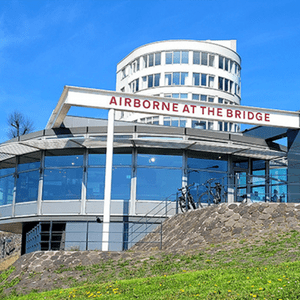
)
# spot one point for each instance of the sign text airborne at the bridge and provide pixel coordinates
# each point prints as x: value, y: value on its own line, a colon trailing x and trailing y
x: 189, y: 110
x: 182, y: 108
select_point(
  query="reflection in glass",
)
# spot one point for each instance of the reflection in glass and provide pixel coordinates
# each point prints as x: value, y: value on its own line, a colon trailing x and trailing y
x: 176, y: 77
x: 29, y: 166
x: 159, y: 160
x: 27, y: 186
x: 95, y: 183
x: 157, y: 183
x: 169, y: 58
x: 6, y: 189
x: 185, y: 57
x: 62, y: 184
x: 196, y: 57
x: 176, y: 57
x: 64, y: 161
x: 207, y: 164
x: 121, y: 181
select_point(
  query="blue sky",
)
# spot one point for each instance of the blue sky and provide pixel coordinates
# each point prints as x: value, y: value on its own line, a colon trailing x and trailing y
x: 45, y: 45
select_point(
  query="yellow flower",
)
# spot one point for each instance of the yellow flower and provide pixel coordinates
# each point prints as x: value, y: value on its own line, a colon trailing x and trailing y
x: 229, y: 291
x: 279, y: 279
x: 260, y: 289
x: 248, y: 277
x: 269, y: 281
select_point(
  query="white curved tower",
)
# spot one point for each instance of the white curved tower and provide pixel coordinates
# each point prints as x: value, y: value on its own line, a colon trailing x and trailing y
x: 195, y: 70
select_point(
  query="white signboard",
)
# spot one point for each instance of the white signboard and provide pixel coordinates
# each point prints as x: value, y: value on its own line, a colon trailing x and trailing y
x: 73, y: 96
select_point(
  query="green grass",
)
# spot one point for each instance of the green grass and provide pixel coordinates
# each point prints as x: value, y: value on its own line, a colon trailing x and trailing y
x: 269, y: 268
x: 272, y: 282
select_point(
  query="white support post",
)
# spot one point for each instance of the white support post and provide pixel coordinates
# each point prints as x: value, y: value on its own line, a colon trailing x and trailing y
x: 108, y: 179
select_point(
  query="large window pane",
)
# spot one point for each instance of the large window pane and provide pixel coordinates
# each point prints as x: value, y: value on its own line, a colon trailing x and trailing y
x: 97, y: 159
x: 196, y: 78
x: 185, y: 57
x: 157, y: 59
x: 207, y: 164
x: 29, y: 166
x: 176, y: 57
x: 63, y: 161
x: 199, y: 178
x: 62, y: 184
x: 157, y: 184
x: 7, y: 171
x: 27, y: 186
x: 150, y: 81
x: 121, y: 181
x: 184, y: 75
x: 159, y: 160
x: 95, y: 183
x: 169, y: 56
x: 203, y: 80
x: 196, y: 57
x: 204, y: 58
x: 176, y: 77
x: 6, y: 190
x: 151, y: 60
x: 168, y: 78
x: 122, y: 159
x: 156, y: 79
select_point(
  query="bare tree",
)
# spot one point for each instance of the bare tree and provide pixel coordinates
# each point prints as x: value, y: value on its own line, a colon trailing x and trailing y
x: 19, y: 124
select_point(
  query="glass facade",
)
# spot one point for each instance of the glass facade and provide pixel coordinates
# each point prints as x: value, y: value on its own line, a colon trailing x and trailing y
x: 157, y: 174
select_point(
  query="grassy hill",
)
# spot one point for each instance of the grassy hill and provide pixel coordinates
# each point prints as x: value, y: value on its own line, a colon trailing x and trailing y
x: 260, y: 266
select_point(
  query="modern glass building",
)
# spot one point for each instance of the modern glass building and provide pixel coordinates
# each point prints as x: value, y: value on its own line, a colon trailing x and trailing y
x: 52, y: 182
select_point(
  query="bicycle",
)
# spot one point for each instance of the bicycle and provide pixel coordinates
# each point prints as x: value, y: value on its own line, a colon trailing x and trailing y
x: 186, y: 200
x: 213, y: 194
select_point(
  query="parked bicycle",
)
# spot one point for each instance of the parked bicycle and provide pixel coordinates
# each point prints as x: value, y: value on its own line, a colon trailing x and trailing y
x: 186, y: 200
x: 215, y: 192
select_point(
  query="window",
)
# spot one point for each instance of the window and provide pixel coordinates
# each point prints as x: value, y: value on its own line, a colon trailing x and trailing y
x: 150, y: 81
x: 62, y: 177
x: 221, y: 62
x: 169, y: 58
x: 196, y: 79
x: 196, y: 58
x: 151, y: 60
x: 195, y: 97
x: 177, y: 57
x: 211, y: 60
x: 158, y: 176
x: 199, y: 124
x: 203, y: 80
x: 211, y: 81
x: 28, y: 179
x: 204, y: 58
x: 177, y: 95
x: 176, y: 78
x: 184, y: 76
x: 7, y: 181
x: 225, y: 84
x: 200, y: 79
x: 134, y: 85
x: 157, y: 59
x: 168, y: 79
x: 121, y: 176
x: 203, y: 98
x: 220, y: 83
x: 156, y: 79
